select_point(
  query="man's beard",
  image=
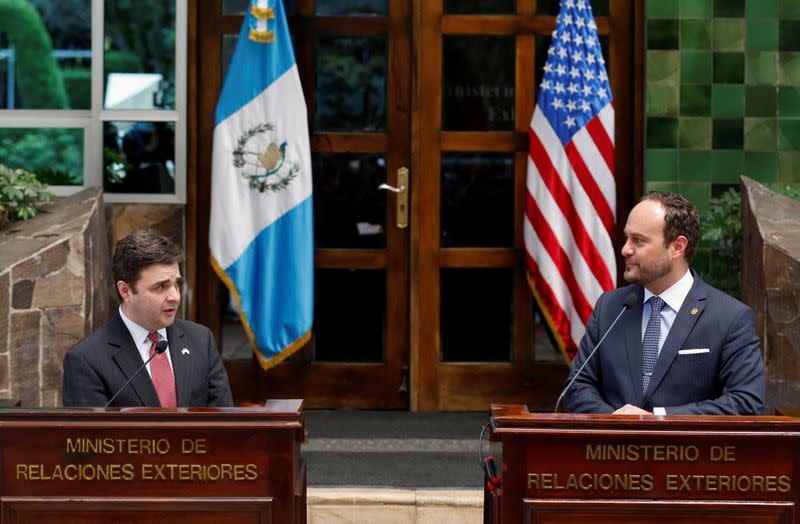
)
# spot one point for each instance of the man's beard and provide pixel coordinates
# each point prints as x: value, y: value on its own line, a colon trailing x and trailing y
x: 647, y: 274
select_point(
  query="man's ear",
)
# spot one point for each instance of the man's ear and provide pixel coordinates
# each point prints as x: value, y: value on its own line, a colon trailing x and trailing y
x: 679, y: 246
x: 124, y: 290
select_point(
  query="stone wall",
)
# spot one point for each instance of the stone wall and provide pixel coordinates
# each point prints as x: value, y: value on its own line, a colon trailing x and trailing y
x: 771, y: 285
x: 55, y: 288
x: 167, y: 219
x: 122, y: 219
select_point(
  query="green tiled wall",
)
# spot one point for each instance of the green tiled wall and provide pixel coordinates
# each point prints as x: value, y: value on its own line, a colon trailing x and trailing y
x: 723, y: 94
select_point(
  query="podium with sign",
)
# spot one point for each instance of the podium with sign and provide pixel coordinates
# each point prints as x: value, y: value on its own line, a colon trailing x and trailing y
x: 568, y: 468
x: 150, y: 465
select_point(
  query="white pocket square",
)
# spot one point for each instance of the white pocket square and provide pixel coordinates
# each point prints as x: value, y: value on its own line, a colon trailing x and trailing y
x: 693, y: 351
x: 185, y: 351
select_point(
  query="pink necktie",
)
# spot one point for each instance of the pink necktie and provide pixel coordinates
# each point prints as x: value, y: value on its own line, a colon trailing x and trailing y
x: 161, y: 374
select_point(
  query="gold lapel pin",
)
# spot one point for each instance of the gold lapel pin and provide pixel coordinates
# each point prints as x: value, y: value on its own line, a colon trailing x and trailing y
x: 694, y: 311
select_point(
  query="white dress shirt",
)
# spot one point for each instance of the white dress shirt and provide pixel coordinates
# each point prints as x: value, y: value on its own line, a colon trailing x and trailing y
x: 139, y: 335
x: 673, y: 300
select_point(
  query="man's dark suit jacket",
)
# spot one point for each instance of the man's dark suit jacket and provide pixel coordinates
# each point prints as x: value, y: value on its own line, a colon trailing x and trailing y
x: 98, y: 366
x: 726, y: 380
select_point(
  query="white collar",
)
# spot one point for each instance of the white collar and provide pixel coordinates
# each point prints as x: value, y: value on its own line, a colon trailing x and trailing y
x: 139, y: 333
x: 676, y: 294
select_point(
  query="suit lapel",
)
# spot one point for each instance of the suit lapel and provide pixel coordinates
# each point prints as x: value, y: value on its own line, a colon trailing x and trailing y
x: 633, y: 345
x: 180, y: 363
x: 691, y: 310
x: 129, y: 360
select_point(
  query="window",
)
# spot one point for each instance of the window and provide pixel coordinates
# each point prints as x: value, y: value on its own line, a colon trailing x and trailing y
x: 93, y: 93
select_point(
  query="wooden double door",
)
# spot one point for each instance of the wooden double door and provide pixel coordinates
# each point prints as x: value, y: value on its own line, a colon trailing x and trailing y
x: 421, y: 299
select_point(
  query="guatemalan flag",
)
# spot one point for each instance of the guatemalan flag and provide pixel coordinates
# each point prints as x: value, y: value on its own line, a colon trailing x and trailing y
x: 261, y: 232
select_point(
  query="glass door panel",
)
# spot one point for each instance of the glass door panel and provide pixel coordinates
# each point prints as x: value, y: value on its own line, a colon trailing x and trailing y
x: 438, y: 315
x: 358, y: 354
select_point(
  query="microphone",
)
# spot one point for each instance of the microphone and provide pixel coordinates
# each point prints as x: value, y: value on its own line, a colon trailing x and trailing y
x: 628, y: 303
x: 160, y: 348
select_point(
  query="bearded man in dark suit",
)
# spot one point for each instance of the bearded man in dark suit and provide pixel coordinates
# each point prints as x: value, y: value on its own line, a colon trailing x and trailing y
x: 146, y: 268
x: 684, y: 347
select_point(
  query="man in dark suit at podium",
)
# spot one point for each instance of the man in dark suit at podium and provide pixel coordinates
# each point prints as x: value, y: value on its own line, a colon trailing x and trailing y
x: 684, y: 347
x: 188, y: 373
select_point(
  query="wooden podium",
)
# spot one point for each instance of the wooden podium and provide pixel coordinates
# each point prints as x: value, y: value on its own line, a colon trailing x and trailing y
x: 564, y: 468
x: 151, y: 465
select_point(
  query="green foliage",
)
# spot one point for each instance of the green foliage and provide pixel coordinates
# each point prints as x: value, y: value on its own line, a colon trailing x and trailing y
x: 119, y: 62
x: 115, y: 165
x: 39, y: 81
x: 69, y: 22
x: 20, y: 193
x: 351, y: 90
x: 145, y: 30
x: 78, y: 83
x: 722, y: 236
x: 55, y: 155
x: 787, y: 190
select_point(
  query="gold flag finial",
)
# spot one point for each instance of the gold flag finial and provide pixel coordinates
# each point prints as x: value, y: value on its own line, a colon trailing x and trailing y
x: 262, y: 13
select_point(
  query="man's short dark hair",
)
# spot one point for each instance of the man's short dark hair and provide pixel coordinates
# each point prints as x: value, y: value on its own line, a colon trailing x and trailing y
x: 140, y: 249
x: 680, y: 218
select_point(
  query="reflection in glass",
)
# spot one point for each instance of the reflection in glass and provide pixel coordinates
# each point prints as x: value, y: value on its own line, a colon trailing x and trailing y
x: 54, y: 155
x: 349, y: 309
x: 139, y: 157
x: 477, y: 200
x: 545, y: 347
x: 479, y: 7
x: 351, y: 7
x: 550, y: 7
x: 350, y: 89
x: 542, y: 45
x: 476, y: 315
x: 228, y: 47
x: 478, y: 74
x: 238, y: 7
x: 45, y: 55
x: 139, y: 55
x: 349, y: 210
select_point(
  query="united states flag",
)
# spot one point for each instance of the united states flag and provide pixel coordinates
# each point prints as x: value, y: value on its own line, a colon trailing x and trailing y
x: 571, y: 199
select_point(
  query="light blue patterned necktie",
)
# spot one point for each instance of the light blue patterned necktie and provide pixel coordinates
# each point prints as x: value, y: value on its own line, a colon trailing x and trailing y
x: 650, y: 341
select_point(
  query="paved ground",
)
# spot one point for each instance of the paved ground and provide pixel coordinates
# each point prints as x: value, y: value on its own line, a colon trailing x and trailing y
x: 393, y: 449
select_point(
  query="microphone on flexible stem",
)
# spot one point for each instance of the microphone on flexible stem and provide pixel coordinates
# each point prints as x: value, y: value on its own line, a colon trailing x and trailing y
x: 161, y: 347
x: 630, y: 300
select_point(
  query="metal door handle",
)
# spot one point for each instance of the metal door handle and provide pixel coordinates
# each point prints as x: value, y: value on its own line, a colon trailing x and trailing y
x: 402, y: 196
x: 393, y: 189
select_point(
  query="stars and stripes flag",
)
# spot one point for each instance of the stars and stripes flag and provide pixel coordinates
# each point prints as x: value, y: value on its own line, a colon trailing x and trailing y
x: 571, y: 190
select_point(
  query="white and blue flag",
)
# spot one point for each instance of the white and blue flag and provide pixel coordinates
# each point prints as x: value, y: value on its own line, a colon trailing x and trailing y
x: 261, y: 231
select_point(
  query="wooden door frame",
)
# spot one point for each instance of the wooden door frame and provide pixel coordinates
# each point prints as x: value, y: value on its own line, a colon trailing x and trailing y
x: 322, y: 384
x: 438, y: 386
x: 201, y: 302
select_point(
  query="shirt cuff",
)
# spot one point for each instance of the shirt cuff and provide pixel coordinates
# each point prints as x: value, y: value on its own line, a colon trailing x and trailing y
x: 661, y: 412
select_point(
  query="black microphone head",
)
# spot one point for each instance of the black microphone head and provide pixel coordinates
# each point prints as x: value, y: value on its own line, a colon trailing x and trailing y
x: 161, y: 346
x: 630, y: 300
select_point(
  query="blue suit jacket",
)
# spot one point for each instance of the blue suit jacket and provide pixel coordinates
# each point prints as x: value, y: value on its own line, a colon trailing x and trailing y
x: 726, y: 380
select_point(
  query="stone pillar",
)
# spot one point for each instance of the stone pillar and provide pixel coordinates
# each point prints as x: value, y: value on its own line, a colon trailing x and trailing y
x: 55, y: 288
x: 771, y: 285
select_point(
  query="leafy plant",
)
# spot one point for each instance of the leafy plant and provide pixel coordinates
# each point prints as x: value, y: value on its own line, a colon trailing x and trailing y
x: 20, y: 193
x: 787, y: 190
x: 722, y: 236
x: 44, y: 151
x: 38, y: 79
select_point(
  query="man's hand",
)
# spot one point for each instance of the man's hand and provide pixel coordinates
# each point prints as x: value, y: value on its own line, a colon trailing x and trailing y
x: 628, y: 409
